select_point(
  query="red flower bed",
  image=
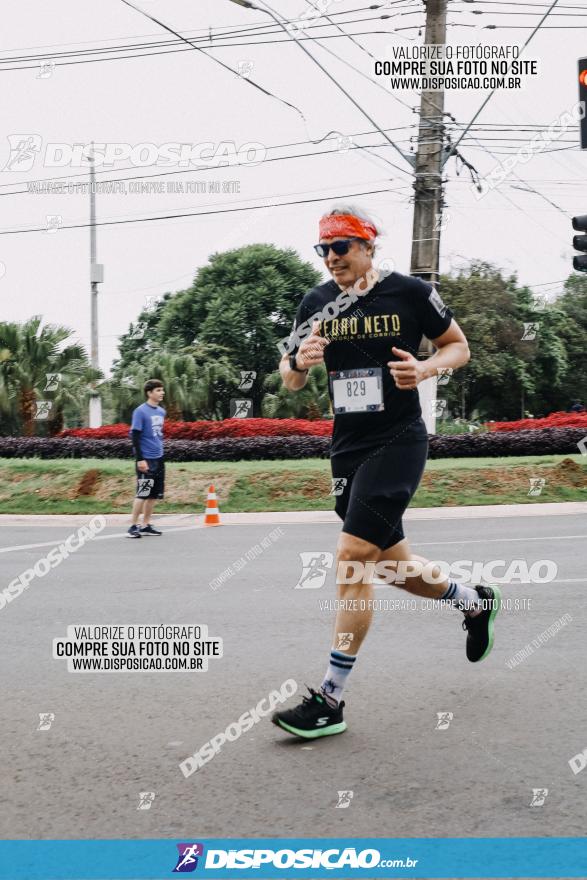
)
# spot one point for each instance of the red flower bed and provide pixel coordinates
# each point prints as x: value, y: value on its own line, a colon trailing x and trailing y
x: 554, y: 420
x: 214, y: 430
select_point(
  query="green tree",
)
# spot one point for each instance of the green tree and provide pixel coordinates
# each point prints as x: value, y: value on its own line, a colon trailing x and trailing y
x: 199, y: 382
x: 507, y: 372
x: 239, y: 307
x: 572, y: 306
x: 312, y: 402
x: 29, y: 353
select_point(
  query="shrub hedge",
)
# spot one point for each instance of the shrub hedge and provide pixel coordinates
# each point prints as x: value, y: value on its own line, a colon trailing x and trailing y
x: 549, y: 441
x: 214, y: 429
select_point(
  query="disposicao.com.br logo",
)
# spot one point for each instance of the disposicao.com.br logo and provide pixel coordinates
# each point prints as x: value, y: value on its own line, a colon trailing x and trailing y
x: 330, y: 859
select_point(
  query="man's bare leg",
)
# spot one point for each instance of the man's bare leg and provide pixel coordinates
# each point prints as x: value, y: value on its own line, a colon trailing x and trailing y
x: 415, y: 582
x: 137, y: 509
x: 148, y: 510
x: 354, y: 620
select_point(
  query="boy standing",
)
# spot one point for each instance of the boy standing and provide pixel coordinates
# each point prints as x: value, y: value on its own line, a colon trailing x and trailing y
x: 147, y: 440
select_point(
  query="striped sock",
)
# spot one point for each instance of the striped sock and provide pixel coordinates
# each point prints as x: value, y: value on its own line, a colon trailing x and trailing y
x: 466, y: 599
x: 339, y: 669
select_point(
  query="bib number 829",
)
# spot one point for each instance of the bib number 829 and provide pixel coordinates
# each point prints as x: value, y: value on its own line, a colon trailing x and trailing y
x: 356, y: 388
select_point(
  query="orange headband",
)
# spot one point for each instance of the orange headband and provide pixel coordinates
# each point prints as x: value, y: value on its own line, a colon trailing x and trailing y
x: 334, y: 225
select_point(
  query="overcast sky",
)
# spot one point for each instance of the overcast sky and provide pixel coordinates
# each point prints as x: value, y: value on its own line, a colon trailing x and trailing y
x: 186, y: 97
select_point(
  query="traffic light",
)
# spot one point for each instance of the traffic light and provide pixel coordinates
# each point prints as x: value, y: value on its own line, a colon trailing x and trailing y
x: 583, y: 98
x: 580, y: 243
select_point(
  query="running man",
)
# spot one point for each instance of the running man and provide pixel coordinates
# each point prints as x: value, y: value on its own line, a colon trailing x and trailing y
x: 368, y: 339
x: 147, y: 439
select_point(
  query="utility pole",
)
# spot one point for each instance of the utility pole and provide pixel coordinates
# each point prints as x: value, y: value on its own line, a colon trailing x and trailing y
x: 428, y: 199
x: 96, y: 277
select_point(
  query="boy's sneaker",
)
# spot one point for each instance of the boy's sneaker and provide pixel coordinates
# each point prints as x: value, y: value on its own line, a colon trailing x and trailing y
x: 133, y: 532
x: 149, y: 530
x: 313, y: 717
x: 480, y: 627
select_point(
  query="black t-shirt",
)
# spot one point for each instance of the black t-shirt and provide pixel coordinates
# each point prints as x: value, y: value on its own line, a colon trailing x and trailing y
x: 398, y: 311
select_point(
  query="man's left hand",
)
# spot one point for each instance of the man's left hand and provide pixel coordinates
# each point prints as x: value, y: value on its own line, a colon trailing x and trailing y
x: 407, y: 372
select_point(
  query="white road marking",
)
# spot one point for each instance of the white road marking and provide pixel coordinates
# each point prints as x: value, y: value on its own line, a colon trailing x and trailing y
x: 414, y: 543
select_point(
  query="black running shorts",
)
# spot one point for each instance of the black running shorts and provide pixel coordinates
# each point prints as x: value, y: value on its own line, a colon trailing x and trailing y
x: 151, y: 483
x: 380, y: 483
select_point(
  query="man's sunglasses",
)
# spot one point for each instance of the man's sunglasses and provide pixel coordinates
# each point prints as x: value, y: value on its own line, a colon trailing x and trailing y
x: 340, y: 248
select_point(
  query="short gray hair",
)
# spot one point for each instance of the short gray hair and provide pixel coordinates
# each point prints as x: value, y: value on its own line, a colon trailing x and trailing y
x: 357, y: 211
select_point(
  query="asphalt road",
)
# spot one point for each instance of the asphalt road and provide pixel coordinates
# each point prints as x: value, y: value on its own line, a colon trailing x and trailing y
x: 116, y: 735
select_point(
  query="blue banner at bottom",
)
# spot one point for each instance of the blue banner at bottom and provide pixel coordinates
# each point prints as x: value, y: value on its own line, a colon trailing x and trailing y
x: 336, y: 858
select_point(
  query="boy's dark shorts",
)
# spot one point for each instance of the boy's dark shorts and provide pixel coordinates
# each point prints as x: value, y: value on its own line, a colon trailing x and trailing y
x: 151, y: 483
x: 380, y: 483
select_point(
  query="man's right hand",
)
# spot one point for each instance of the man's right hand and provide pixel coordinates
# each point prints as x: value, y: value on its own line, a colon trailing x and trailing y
x: 143, y: 466
x: 311, y: 351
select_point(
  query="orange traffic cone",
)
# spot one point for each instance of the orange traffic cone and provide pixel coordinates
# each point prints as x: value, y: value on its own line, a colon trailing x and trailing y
x: 212, y: 517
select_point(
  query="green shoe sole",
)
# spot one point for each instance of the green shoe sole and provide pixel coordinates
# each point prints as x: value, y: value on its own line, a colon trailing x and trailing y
x: 313, y: 734
x: 492, y: 616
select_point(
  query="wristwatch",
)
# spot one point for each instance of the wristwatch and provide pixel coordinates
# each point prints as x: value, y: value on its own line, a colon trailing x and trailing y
x: 293, y: 365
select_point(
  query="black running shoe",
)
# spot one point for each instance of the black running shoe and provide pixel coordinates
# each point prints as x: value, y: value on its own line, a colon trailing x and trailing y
x: 313, y: 717
x: 149, y: 530
x: 134, y: 532
x: 480, y: 628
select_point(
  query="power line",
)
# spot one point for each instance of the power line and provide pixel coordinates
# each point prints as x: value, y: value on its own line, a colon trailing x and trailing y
x: 197, y: 213
x: 216, y: 60
x: 490, y: 95
x: 170, y: 43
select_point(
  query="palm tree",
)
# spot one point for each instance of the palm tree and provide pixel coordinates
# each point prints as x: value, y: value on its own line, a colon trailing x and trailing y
x: 312, y: 402
x: 28, y: 355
